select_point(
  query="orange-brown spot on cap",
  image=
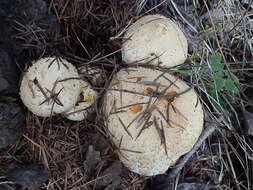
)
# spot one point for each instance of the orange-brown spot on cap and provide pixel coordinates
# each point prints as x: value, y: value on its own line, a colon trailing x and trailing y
x: 148, y: 91
x: 136, y: 109
x: 172, y: 93
x: 141, y: 97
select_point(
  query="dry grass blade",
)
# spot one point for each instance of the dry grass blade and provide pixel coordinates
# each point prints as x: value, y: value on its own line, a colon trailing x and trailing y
x: 70, y: 78
x: 48, y: 98
x: 163, y: 116
x: 171, y: 82
x: 120, y: 142
x: 53, y: 61
x: 134, y: 119
x: 164, y: 139
x: 146, y: 125
x: 62, y: 62
x: 119, y: 148
x: 125, y: 128
x: 158, y: 129
x: 178, y: 111
x: 33, y: 142
x: 54, y: 96
x: 116, y: 112
x: 133, y: 151
x: 146, y: 115
x: 113, y: 108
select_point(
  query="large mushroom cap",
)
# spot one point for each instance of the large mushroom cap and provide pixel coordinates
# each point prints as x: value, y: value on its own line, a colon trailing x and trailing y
x: 53, y: 79
x: 151, y: 131
x: 85, y: 104
x: 156, y: 38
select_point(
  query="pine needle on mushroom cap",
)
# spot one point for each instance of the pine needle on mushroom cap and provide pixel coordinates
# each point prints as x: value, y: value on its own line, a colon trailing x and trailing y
x: 158, y: 118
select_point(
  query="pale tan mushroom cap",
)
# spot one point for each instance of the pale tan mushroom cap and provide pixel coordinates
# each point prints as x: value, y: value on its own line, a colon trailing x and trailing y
x: 155, y: 36
x: 48, y: 71
x: 146, y: 155
x: 84, y: 105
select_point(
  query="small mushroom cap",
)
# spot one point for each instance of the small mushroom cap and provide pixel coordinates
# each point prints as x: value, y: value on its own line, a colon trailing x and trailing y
x: 140, y: 122
x: 46, y: 77
x: 155, y: 39
x: 84, y: 105
x: 95, y: 75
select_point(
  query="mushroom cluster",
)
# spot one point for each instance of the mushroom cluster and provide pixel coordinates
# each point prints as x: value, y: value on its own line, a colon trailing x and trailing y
x: 52, y: 86
x: 152, y: 117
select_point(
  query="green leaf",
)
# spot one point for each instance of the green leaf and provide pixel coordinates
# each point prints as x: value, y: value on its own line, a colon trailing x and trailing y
x: 215, y: 61
x: 234, y: 78
x: 215, y: 58
x: 230, y: 86
x: 215, y: 99
x: 210, y: 35
x: 219, y: 83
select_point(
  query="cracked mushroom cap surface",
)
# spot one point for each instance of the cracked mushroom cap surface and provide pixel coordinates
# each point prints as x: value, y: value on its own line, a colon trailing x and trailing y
x: 84, y: 105
x: 150, y: 130
x: 156, y: 40
x: 50, y: 85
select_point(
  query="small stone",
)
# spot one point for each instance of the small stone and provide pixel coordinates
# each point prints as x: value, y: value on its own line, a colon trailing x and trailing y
x: 12, y: 119
x: 7, y: 187
x: 8, y: 75
x: 28, y: 176
x: 26, y: 9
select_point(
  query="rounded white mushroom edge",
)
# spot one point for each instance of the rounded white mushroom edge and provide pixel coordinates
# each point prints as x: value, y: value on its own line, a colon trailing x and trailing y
x: 155, y: 39
x: 85, y: 104
x: 50, y: 86
x: 150, y: 131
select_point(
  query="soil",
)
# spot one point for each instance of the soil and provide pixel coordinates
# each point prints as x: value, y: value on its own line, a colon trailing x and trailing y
x: 7, y: 187
x: 12, y: 121
x: 28, y: 176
